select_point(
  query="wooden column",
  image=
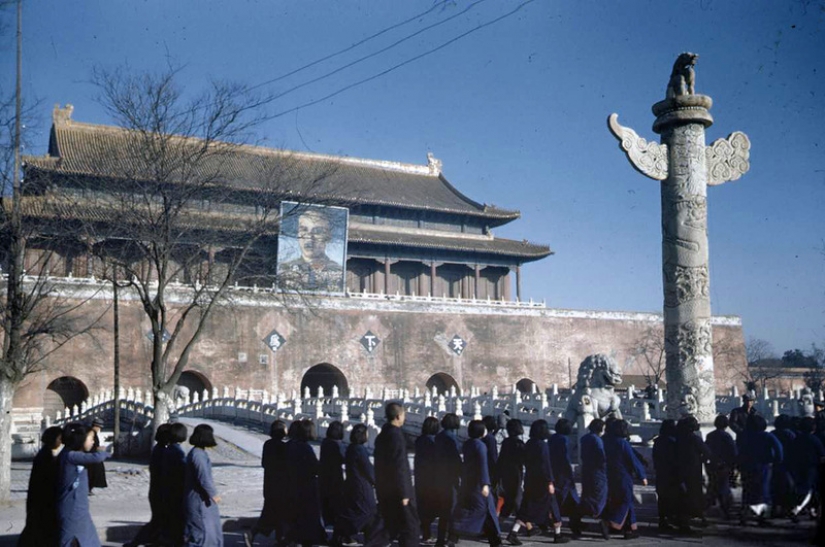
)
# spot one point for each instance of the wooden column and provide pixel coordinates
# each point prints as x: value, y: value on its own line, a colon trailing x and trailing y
x: 518, y: 283
x: 475, y: 284
x: 387, y: 276
x: 432, y: 278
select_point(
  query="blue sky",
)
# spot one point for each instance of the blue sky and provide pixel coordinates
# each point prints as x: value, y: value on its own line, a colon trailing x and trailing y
x: 517, y: 112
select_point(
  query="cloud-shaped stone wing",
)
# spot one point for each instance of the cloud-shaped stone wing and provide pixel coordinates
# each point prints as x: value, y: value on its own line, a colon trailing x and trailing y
x: 728, y: 158
x: 647, y: 157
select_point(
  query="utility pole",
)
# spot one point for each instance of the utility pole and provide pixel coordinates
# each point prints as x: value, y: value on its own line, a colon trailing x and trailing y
x: 116, y: 363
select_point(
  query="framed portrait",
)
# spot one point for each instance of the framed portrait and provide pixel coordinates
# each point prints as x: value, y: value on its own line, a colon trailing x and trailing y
x: 312, y: 248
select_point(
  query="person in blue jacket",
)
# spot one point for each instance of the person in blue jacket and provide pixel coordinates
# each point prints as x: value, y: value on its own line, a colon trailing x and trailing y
x: 593, y: 471
x: 360, y: 512
x: 808, y: 452
x: 537, y: 504
x: 622, y: 465
x: 173, y: 485
x: 758, y: 452
x: 276, y: 475
x: 783, y: 492
x: 723, y: 447
x: 448, y: 476
x: 511, y: 469
x: 201, y: 499
x: 476, y: 508
x: 426, y: 476
x: 41, y: 513
x: 331, y: 473
x: 305, y: 525
x: 567, y: 498
x: 74, y: 522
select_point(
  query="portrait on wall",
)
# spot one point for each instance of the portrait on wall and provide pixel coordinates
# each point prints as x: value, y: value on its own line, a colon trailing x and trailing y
x: 312, y: 247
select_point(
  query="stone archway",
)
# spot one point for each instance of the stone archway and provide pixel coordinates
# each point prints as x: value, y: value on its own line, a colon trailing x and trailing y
x: 525, y: 385
x: 196, y: 382
x: 442, y: 382
x: 326, y: 376
x: 63, y: 392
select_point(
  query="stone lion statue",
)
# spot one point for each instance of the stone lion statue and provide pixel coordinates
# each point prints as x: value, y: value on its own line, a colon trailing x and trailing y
x: 805, y: 404
x: 682, y: 77
x: 595, y: 389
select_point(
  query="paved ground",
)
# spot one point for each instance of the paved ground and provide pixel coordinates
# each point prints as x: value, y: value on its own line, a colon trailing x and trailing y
x: 121, y: 509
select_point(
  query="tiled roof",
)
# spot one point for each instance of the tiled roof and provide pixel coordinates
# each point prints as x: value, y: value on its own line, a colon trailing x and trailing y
x: 96, y: 150
x: 495, y: 246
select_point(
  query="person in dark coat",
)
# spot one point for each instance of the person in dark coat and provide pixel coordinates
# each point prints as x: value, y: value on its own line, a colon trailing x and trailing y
x: 691, y: 455
x: 476, y: 508
x: 537, y: 504
x: 426, y: 476
x: 360, y: 512
x: 511, y: 469
x: 41, y: 511
x: 202, y: 527
x: 305, y: 525
x: 758, y: 452
x: 447, y: 475
x: 150, y: 531
x: 622, y: 465
x: 393, y: 480
x: 276, y: 475
x: 331, y: 473
x: 808, y: 452
x: 723, y: 448
x: 74, y: 523
x: 567, y: 498
x: 739, y: 416
x: 173, y: 485
x: 97, y: 471
x: 783, y: 491
x: 489, y: 440
x: 593, y: 471
x: 668, y: 484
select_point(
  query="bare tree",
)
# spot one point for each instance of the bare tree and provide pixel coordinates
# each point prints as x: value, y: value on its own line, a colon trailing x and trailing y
x: 37, y: 315
x: 815, y: 374
x: 176, y: 230
x: 649, y: 349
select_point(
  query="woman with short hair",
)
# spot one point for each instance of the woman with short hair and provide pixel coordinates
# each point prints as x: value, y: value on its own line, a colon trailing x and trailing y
x: 331, y: 473
x: 203, y: 519
x: 360, y: 512
x: 173, y: 471
x: 41, y: 513
x: 273, y: 460
x: 305, y: 526
x: 476, y: 509
x: 511, y: 469
x: 622, y: 464
x: 74, y: 522
x: 426, y: 477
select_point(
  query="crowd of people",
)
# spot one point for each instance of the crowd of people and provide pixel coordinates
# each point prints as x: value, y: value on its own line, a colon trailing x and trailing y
x: 463, y: 489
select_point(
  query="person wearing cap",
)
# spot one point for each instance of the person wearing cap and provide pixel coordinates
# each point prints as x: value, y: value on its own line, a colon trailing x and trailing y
x: 97, y: 471
x: 739, y: 415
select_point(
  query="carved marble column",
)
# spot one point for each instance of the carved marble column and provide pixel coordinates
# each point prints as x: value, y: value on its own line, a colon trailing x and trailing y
x: 686, y: 167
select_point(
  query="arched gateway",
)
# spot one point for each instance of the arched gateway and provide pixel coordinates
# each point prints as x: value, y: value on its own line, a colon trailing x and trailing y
x: 442, y: 382
x: 326, y: 376
x: 196, y: 382
x: 64, y: 392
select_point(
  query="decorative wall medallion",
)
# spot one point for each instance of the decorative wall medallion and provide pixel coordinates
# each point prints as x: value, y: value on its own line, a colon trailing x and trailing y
x: 458, y: 345
x: 166, y: 336
x: 370, y: 341
x: 274, y: 341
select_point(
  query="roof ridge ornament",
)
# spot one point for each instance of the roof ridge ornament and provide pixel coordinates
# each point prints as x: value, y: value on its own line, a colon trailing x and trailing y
x: 434, y: 164
x: 62, y: 116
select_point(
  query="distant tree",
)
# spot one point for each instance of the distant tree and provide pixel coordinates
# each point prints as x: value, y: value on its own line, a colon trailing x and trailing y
x: 758, y: 349
x: 649, y: 350
x: 815, y: 364
x: 762, y: 364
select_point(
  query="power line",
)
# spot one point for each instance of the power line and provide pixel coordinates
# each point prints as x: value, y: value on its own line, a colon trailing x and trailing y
x: 404, y: 63
x: 368, y: 56
x: 353, y: 46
